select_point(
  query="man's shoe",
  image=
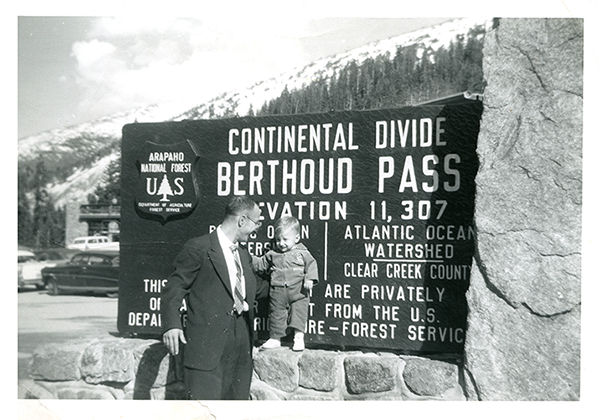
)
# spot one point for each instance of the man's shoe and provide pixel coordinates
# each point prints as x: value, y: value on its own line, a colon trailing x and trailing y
x: 298, y: 342
x: 271, y: 343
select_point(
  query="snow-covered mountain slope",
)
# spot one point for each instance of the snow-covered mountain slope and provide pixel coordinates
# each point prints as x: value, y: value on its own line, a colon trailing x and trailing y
x: 81, y: 182
x: 255, y: 96
x: 72, y: 148
x: 107, y: 128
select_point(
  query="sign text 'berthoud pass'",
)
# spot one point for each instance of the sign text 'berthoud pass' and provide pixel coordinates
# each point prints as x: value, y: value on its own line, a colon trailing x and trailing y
x: 385, y: 200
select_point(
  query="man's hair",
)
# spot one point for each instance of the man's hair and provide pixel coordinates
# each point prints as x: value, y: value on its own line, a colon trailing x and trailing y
x: 239, y: 205
x: 287, y: 222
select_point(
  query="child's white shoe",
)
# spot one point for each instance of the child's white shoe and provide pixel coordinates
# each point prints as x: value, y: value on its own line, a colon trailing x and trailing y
x: 271, y: 343
x: 298, y: 342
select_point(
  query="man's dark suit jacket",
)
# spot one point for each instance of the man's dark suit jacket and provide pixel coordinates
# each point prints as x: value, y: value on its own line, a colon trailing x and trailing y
x: 200, y: 270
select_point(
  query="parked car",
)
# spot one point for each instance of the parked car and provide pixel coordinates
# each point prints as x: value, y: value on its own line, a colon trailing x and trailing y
x: 29, y: 270
x: 31, y: 263
x: 85, y: 243
x: 25, y: 255
x: 89, y: 271
x: 55, y: 255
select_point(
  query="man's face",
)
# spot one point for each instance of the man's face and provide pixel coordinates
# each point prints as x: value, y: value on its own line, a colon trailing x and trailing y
x: 251, y: 223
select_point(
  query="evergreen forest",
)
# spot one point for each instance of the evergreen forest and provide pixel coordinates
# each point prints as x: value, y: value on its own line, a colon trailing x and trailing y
x: 410, y: 77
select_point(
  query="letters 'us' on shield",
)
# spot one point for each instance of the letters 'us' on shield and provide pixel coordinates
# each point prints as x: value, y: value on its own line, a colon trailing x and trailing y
x: 385, y: 200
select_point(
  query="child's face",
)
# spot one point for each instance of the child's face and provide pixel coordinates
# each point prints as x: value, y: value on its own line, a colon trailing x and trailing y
x: 287, y: 239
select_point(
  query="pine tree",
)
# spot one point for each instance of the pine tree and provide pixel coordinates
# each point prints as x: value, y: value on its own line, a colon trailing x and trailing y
x: 165, y: 189
x: 24, y: 217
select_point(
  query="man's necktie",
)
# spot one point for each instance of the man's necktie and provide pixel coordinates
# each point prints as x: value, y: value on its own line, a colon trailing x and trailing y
x: 238, y: 297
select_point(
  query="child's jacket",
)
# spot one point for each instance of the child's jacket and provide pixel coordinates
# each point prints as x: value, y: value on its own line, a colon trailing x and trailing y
x: 288, y: 268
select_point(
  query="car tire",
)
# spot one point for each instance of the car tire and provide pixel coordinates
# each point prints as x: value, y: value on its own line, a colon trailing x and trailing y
x: 53, y: 287
x: 40, y: 286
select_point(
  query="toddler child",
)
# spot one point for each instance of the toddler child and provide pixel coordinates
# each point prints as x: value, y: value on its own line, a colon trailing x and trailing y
x: 293, y: 272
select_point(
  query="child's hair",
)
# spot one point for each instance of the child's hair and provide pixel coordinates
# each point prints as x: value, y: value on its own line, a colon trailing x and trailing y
x: 287, y: 222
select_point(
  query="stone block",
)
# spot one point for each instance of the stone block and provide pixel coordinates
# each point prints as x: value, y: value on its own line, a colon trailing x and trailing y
x: 306, y: 395
x: 319, y: 370
x: 112, y: 360
x: 454, y: 394
x: 515, y: 355
x: 80, y: 390
x: 34, y: 390
x: 262, y: 392
x: 156, y: 394
x: 117, y: 393
x: 429, y: 377
x: 377, y: 396
x: 58, y: 362
x: 370, y: 374
x: 129, y: 390
x: 278, y: 368
x: 85, y: 394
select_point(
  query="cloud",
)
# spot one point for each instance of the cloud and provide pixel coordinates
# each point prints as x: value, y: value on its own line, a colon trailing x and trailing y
x: 88, y: 53
x: 128, y: 62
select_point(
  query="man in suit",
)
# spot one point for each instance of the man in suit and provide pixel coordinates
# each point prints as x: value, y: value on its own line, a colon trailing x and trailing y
x: 221, y: 288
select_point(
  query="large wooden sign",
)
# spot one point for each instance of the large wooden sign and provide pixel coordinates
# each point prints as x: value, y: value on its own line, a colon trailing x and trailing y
x: 385, y: 199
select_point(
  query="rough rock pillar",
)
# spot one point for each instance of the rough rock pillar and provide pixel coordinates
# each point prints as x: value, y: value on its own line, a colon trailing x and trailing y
x: 523, y: 340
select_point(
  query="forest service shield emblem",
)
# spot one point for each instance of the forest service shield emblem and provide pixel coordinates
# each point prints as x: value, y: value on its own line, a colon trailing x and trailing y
x: 167, y: 188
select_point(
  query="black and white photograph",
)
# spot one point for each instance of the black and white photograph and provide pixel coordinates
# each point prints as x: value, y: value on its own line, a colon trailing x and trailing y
x: 270, y: 211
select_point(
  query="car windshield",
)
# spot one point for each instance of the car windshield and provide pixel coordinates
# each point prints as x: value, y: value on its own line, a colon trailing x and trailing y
x: 79, y: 259
x: 95, y: 259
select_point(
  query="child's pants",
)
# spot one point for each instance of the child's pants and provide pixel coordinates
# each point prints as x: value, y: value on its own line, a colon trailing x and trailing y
x: 287, y: 303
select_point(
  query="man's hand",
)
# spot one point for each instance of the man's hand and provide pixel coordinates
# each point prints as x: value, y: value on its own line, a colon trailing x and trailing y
x: 171, y: 339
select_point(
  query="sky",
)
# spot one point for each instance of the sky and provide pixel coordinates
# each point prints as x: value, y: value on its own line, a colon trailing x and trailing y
x: 74, y: 69
x: 78, y: 61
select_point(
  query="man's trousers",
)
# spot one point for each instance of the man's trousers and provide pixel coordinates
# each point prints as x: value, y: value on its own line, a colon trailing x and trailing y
x: 231, y: 379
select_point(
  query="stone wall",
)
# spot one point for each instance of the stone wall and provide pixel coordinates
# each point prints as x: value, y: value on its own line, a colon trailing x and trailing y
x: 130, y: 368
x: 523, y: 339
